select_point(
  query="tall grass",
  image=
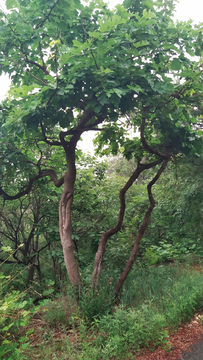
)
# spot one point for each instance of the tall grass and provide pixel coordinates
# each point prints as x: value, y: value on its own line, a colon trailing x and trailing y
x: 153, y: 301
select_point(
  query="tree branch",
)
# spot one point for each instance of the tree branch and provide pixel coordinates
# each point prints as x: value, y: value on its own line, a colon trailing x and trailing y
x: 49, y: 13
x: 106, y: 235
x: 37, y: 253
x: 87, y: 41
x: 45, y: 139
x: 9, y: 59
x: 43, y: 68
x: 43, y: 173
x: 147, y: 146
x: 141, y: 229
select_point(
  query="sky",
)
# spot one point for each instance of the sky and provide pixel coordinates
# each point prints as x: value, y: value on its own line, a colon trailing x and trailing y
x: 185, y: 10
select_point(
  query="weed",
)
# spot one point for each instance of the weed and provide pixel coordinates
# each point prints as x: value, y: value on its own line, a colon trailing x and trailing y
x: 59, y: 313
x: 95, y: 305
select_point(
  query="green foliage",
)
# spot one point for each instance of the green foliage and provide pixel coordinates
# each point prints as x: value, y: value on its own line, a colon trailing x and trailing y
x: 84, y: 68
x: 154, y: 301
x: 95, y: 305
x: 15, y: 314
x: 175, y: 229
x: 77, y: 67
x: 59, y: 313
x: 129, y: 329
x: 159, y: 298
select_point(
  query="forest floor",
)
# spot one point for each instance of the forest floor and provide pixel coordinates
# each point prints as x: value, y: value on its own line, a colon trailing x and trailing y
x: 182, y: 342
x: 60, y: 343
x: 179, y: 342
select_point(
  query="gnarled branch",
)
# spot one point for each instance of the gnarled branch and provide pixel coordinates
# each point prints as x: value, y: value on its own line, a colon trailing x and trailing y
x: 43, y: 173
x: 141, y: 229
x: 147, y: 146
x: 106, y: 235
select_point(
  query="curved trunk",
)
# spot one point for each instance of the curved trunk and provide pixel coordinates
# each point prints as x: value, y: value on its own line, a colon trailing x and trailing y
x: 98, y: 264
x: 141, y: 230
x: 65, y: 225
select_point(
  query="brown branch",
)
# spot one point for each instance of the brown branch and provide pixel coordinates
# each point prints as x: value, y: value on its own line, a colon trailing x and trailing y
x: 27, y: 242
x: 106, y: 235
x: 141, y: 229
x: 92, y: 129
x: 26, y: 191
x: 9, y: 59
x: 43, y: 68
x: 75, y: 132
x: 79, y: 129
x: 49, y: 13
x: 52, y: 174
x: 147, y: 146
x: 37, y: 253
x: 10, y: 261
x: 45, y: 139
x: 87, y: 41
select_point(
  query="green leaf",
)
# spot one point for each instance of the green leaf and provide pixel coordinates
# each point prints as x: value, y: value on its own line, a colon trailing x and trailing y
x: 47, y: 292
x: 175, y: 64
x: 60, y: 92
x: 114, y: 116
x: 118, y: 92
x: 148, y: 14
x: 77, y: 43
x: 98, y: 108
x: 11, y: 3
x: 70, y: 115
x: 135, y: 88
x: 103, y: 99
x: 7, y: 248
x: 69, y: 86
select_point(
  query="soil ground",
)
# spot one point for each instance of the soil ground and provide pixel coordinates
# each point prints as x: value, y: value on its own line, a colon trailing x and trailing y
x: 195, y: 353
x: 185, y: 344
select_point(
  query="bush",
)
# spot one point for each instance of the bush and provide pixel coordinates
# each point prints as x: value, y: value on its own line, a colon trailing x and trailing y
x: 95, y: 305
x: 15, y: 312
x: 59, y: 312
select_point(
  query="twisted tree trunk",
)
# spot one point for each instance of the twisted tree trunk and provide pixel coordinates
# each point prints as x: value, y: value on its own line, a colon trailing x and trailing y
x: 98, y: 264
x: 65, y: 224
x: 141, y: 230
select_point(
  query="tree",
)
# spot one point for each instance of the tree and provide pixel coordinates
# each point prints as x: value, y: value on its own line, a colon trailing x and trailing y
x: 24, y: 223
x: 77, y: 68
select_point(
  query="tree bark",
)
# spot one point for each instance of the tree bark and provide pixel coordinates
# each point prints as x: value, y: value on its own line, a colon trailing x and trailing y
x: 31, y: 271
x: 65, y: 223
x: 98, y: 264
x: 141, y: 230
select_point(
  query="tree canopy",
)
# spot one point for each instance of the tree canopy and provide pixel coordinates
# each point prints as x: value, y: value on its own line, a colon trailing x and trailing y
x: 77, y: 68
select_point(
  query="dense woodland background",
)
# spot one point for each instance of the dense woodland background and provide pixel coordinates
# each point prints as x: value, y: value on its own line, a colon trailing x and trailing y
x: 29, y: 226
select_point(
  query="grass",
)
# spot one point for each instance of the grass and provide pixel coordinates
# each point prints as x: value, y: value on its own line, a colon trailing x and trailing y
x: 154, y: 301
x: 173, y: 290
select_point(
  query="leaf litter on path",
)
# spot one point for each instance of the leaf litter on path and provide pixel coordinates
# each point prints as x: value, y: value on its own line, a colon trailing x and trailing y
x: 186, y: 335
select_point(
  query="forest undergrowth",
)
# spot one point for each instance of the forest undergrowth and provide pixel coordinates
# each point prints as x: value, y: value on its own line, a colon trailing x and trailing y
x: 154, y: 302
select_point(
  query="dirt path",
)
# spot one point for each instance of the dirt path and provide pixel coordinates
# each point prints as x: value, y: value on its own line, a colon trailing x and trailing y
x: 186, y: 343
x: 195, y: 353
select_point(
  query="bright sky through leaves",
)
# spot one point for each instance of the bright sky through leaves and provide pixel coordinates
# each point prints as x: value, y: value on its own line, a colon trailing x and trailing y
x: 186, y: 9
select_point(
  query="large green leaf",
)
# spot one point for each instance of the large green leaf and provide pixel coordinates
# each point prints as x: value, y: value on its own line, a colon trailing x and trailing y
x: 175, y: 64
